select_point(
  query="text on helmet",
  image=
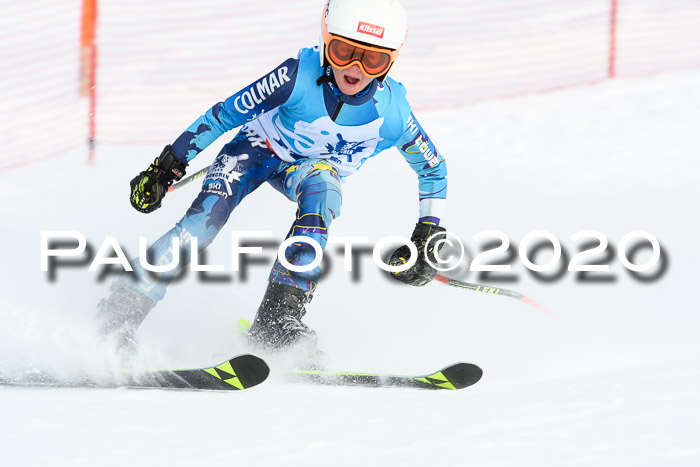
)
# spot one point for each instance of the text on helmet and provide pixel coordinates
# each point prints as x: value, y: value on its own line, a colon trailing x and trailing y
x: 371, y: 29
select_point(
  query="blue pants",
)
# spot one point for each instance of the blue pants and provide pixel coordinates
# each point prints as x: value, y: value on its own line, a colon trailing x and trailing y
x: 242, y: 166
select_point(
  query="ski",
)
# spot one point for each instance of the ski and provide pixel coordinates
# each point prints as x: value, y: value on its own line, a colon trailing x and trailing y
x: 238, y: 373
x: 456, y: 376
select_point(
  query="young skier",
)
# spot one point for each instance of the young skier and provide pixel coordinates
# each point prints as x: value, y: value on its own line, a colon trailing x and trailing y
x: 306, y: 126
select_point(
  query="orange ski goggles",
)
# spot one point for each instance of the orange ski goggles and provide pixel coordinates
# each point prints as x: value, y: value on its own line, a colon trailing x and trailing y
x: 342, y: 53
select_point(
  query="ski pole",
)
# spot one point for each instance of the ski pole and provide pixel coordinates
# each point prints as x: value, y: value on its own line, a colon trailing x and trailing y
x: 493, y: 291
x: 190, y: 179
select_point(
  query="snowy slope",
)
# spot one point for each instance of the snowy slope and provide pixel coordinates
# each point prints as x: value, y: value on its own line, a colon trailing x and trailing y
x: 612, y: 381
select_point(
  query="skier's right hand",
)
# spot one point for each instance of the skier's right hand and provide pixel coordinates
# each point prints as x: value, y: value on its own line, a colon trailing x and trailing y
x: 150, y: 186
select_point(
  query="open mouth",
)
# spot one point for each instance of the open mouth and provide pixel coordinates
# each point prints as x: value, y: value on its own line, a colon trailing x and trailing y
x: 351, y: 81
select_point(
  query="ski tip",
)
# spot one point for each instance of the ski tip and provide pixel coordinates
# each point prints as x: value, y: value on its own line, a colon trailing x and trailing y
x: 240, y: 372
x: 462, y: 375
x: 250, y: 369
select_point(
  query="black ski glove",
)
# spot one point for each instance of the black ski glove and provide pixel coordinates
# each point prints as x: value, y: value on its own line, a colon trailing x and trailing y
x: 150, y: 186
x: 422, y: 272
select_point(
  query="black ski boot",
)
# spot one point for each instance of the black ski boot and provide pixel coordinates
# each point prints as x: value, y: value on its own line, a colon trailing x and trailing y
x: 120, y: 314
x: 277, y: 325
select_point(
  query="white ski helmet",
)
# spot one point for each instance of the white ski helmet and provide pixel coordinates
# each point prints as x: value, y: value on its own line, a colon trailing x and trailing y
x: 380, y: 23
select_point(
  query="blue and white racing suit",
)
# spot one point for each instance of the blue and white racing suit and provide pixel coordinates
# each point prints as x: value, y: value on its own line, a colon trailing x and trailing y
x: 303, y: 138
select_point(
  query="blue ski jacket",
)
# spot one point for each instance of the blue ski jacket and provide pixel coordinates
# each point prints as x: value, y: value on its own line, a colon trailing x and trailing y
x: 302, y: 116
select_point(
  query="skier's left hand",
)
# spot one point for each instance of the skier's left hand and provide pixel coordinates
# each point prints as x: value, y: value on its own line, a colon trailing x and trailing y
x: 422, y: 272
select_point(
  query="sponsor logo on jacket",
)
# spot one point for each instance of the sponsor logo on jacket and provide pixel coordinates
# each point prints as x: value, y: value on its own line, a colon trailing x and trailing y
x: 258, y: 92
x: 420, y: 144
